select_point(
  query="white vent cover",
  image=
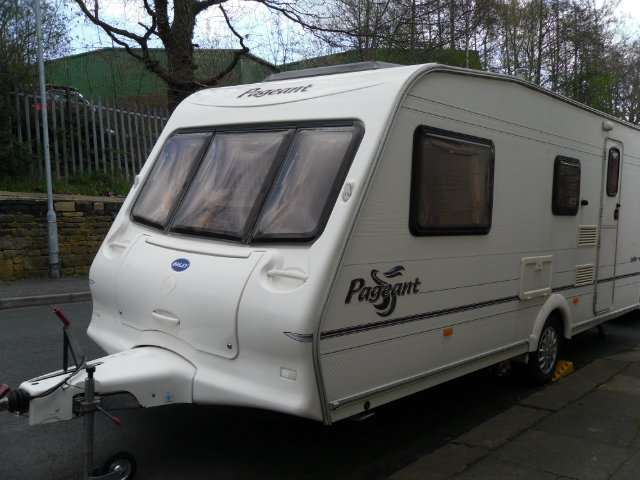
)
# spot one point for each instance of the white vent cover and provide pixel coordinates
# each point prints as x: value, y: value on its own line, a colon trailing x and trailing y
x: 585, y: 274
x: 587, y: 235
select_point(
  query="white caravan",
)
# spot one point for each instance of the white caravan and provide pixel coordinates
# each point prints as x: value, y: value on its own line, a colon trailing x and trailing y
x: 323, y: 243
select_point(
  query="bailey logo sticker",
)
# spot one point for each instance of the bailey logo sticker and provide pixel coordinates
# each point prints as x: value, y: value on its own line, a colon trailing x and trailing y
x: 383, y: 295
x: 180, y: 264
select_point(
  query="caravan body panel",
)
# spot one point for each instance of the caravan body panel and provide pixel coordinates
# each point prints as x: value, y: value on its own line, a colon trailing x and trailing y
x: 476, y: 298
x: 372, y: 305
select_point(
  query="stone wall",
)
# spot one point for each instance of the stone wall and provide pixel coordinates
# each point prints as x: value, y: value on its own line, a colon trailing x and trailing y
x: 82, y: 222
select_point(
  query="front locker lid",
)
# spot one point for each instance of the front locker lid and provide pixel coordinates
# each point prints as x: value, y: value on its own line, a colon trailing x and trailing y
x: 190, y: 296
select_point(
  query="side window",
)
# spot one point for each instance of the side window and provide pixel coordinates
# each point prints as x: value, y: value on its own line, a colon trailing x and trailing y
x: 613, y: 172
x: 566, y: 186
x: 451, y: 183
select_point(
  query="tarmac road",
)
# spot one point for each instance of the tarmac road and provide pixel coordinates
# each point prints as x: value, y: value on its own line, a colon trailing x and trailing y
x: 198, y: 442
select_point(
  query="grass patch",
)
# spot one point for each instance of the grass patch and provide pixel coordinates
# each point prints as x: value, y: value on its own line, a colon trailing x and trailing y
x: 92, y: 184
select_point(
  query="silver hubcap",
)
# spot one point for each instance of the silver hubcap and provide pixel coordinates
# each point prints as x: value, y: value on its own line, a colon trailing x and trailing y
x: 122, y: 466
x: 548, y: 350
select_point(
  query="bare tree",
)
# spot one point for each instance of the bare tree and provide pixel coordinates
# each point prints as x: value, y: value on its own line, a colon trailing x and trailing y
x: 173, y: 22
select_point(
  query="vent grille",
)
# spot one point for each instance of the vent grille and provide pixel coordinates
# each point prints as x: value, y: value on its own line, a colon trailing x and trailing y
x: 585, y: 274
x: 587, y: 235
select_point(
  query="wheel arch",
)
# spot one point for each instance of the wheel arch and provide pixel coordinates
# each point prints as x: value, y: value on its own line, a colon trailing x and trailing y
x: 556, y: 304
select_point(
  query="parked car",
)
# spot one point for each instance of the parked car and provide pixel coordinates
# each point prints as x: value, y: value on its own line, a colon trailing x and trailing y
x: 62, y: 95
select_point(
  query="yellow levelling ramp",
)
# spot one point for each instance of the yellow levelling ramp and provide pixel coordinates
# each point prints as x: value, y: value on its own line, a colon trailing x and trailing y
x: 563, y: 369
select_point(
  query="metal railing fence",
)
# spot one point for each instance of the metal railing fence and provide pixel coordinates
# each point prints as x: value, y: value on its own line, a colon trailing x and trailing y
x: 86, y: 135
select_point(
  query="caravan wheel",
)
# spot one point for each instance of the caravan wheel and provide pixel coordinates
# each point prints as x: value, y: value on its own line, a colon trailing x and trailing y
x: 543, y: 362
x: 124, y: 463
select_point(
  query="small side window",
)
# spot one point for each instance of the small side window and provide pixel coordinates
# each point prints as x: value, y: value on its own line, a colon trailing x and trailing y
x: 566, y: 186
x: 613, y: 172
x: 451, y: 184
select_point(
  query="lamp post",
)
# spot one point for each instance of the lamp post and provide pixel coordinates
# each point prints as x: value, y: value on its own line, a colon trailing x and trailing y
x: 52, y: 225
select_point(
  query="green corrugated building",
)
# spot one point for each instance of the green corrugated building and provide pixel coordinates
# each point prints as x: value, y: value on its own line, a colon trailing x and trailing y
x: 111, y: 73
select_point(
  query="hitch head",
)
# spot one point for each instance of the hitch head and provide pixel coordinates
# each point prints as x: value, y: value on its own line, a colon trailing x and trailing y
x: 14, y: 401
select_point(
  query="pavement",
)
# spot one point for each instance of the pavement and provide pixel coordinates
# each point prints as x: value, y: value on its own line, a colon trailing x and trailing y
x: 43, y: 291
x: 585, y: 426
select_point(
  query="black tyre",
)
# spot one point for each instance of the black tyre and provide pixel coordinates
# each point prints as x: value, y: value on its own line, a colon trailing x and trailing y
x: 543, y: 362
x: 122, y: 462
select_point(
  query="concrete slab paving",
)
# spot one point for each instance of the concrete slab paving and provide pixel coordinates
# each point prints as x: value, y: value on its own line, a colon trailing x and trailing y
x: 564, y: 455
x: 623, y: 384
x: 623, y: 405
x: 587, y: 420
x: 444, y: 463
x: 600, y: 370
x: 630, y: 356
x: 560, y: 394
x: 630, y: 470
x: 632, y: 370
x: 499, y: 429
x: 493, y: 469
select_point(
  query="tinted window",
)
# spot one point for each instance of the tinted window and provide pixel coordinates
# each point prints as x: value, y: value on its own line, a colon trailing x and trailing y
x: 230, y: 184
x: 451, y: 184
x: 308, y: 184
x: 613, y: 172
x: 167, y: 180
x: 279, y: 183
x: 566, y: 186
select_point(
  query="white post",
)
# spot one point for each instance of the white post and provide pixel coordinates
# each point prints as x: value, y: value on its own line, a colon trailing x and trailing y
x: 52, y: 226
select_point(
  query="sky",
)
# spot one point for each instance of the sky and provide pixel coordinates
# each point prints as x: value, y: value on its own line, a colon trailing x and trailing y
x: 88, y: 37
x: 630, y: 9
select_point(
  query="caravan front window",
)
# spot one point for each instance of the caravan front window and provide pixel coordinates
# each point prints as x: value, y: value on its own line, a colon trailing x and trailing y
x: 451, y: 183
x: 312, y: 174
x: 252, y: 184
x: 168, y: 177
x: 230, y: 183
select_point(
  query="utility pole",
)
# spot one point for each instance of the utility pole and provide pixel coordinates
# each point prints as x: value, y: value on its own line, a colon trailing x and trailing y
x: 52, y: 225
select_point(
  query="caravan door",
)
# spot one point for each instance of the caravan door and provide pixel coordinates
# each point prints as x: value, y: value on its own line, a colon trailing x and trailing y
x: 608, y: 236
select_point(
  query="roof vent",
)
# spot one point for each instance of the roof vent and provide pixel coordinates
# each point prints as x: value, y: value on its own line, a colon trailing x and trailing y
x: 330, y: 70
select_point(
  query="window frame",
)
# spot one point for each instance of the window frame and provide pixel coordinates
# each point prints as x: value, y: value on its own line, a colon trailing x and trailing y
x: 334, y: 191
x: 555, y: 208
x: 260, y: 195
x: 414, y: 226
x: 613, y: 192
x: 248, y: 238
x: 189, y: 175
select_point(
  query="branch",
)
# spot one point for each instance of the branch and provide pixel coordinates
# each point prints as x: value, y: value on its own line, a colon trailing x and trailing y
x: 297, y: 17
x: 151, y: 64
x: 109, y: 29
x: 200, y: 6
x: 238, y: 54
